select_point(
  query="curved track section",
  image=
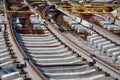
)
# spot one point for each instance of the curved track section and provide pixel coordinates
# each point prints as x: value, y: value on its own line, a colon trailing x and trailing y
x: 10, y: 66
x: 53, y: 55
x: 110, y: 51
x: 25, y: 67
x: 55, y: 59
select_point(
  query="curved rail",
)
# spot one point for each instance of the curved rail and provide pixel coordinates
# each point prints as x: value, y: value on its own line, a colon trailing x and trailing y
x: 82, y: 51
x: 32, y: 70
x: 106, y: 66
x: 24, y: 55
x: 51, y: 28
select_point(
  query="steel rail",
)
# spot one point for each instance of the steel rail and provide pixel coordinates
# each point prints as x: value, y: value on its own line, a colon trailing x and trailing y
x: 36, y: 74
x: 106, y: 66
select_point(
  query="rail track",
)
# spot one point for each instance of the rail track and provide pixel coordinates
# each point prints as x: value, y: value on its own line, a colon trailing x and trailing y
x: 16, y: 70
x: 10, y: 66
x: 111, y: 50
x: 56, y: 60
x: 53, y: 55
